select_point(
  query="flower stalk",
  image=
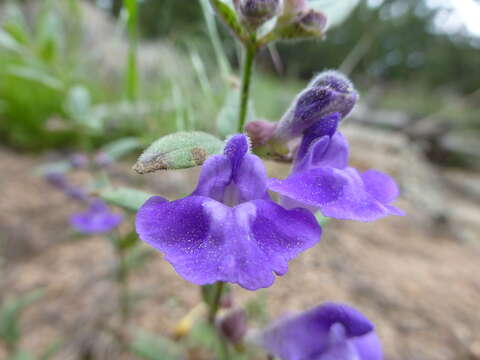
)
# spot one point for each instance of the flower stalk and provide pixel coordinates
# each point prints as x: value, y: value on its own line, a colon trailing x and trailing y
x: 250, y: 52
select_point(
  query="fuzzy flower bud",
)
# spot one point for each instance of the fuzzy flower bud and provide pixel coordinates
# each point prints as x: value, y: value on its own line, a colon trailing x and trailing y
x: 255, y: 13
x: 313, y: 22
x: 234, y: 326
x: 260, y: 131
x: 328, y: 93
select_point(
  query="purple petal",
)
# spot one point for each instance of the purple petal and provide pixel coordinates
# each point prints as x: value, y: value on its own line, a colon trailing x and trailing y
x: 97, y: 219
x: 309, y: 335
x: 381, y: 186
x: 250, y: 179
x: 368, y: 347
x: 207, y: 241
x: 338, y: 193
x: 323, y: 152
x: 236, y: 148
x: 215, y: 176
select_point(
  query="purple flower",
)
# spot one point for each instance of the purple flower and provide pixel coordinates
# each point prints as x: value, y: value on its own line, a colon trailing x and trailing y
x: 326, y: 332
x: 328, y: 93
x: 321, y: 179
x: 79, y: 161
x: 228, y: 229
x: 256, y: 12
x: 97, y: 219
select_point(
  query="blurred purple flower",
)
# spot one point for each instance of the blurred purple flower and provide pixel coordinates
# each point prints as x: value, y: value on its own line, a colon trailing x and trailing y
x: 79, y: 160
x: 60, y: 182
x: 228, y: 229
x: 326, y: 332
x: 321, y: 179
x: 102, y: 159
x: 97, y: 219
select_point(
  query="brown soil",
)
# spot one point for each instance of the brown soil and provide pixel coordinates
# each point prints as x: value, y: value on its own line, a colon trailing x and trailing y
x: 416, y: 277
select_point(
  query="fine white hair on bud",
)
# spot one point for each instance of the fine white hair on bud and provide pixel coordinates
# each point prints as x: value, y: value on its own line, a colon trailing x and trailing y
x: 255, y: 13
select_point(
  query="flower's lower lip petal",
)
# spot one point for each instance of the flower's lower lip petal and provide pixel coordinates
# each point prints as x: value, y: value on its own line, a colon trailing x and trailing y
x: 368, y: 347
x: 308, y: 335
x: 207, y: 241
x: 380, y: 185
x: 338, y: 193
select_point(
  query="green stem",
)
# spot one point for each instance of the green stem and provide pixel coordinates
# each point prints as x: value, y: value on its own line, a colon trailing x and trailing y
x: 215, y: 305
x: 250, y: 50
x: 132, y: 72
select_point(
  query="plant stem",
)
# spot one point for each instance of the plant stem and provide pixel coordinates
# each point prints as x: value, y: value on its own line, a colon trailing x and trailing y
x: 131, y: 71
x: 215, y: 305
x: 250, y: 51
x: 123, y: 287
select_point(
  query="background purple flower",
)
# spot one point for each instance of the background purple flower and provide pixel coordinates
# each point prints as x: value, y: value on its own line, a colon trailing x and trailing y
x: 321, y: 179
x: 97, y: 219
x: 228, y: 229
x: 326, y: 332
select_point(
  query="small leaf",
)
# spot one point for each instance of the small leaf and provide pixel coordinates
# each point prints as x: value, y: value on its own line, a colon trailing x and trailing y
x: 122, y: 147
x: 35, y: 75
x: 155, y: 347
x: 178, y: 151
x: 10, y: 316
x: 126, y: 198
x: 127, y: 241
x: 229, y: 17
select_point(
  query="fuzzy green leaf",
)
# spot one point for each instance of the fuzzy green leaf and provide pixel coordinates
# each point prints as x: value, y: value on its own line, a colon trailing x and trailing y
x: 178, y: 151
x: 126, y: 198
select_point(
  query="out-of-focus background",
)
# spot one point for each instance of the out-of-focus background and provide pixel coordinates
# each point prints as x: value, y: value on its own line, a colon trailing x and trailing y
x: 63, y: 90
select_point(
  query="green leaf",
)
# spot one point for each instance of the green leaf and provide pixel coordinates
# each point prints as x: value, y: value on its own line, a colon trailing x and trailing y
x: 79, y: 107
x: 10, y: 316
x: 155, y: 347
x: 178, y: 151
x: 35, y: 75
x: 126, y: 198
x: 229, y: 17
x: 336, y: 11
x: 60, y: 167
x: 122, y: 147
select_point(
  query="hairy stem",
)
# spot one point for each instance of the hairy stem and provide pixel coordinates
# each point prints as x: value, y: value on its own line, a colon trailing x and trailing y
x: 250, y: 51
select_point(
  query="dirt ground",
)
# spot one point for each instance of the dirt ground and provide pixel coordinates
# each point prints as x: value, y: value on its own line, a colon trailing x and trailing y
x: 417, y: 277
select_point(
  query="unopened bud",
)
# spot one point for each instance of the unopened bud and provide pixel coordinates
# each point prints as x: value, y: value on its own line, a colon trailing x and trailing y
x: 330, y: 92
x: 255, y: 13
x: 313, y: 22
x: 233, y: 326
x: 260, y: 131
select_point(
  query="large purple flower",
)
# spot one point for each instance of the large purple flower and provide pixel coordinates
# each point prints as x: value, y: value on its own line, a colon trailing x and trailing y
x: 97, y: 219
x: 326, y: 332
x: 228, y: 229
x: 321, y: 179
